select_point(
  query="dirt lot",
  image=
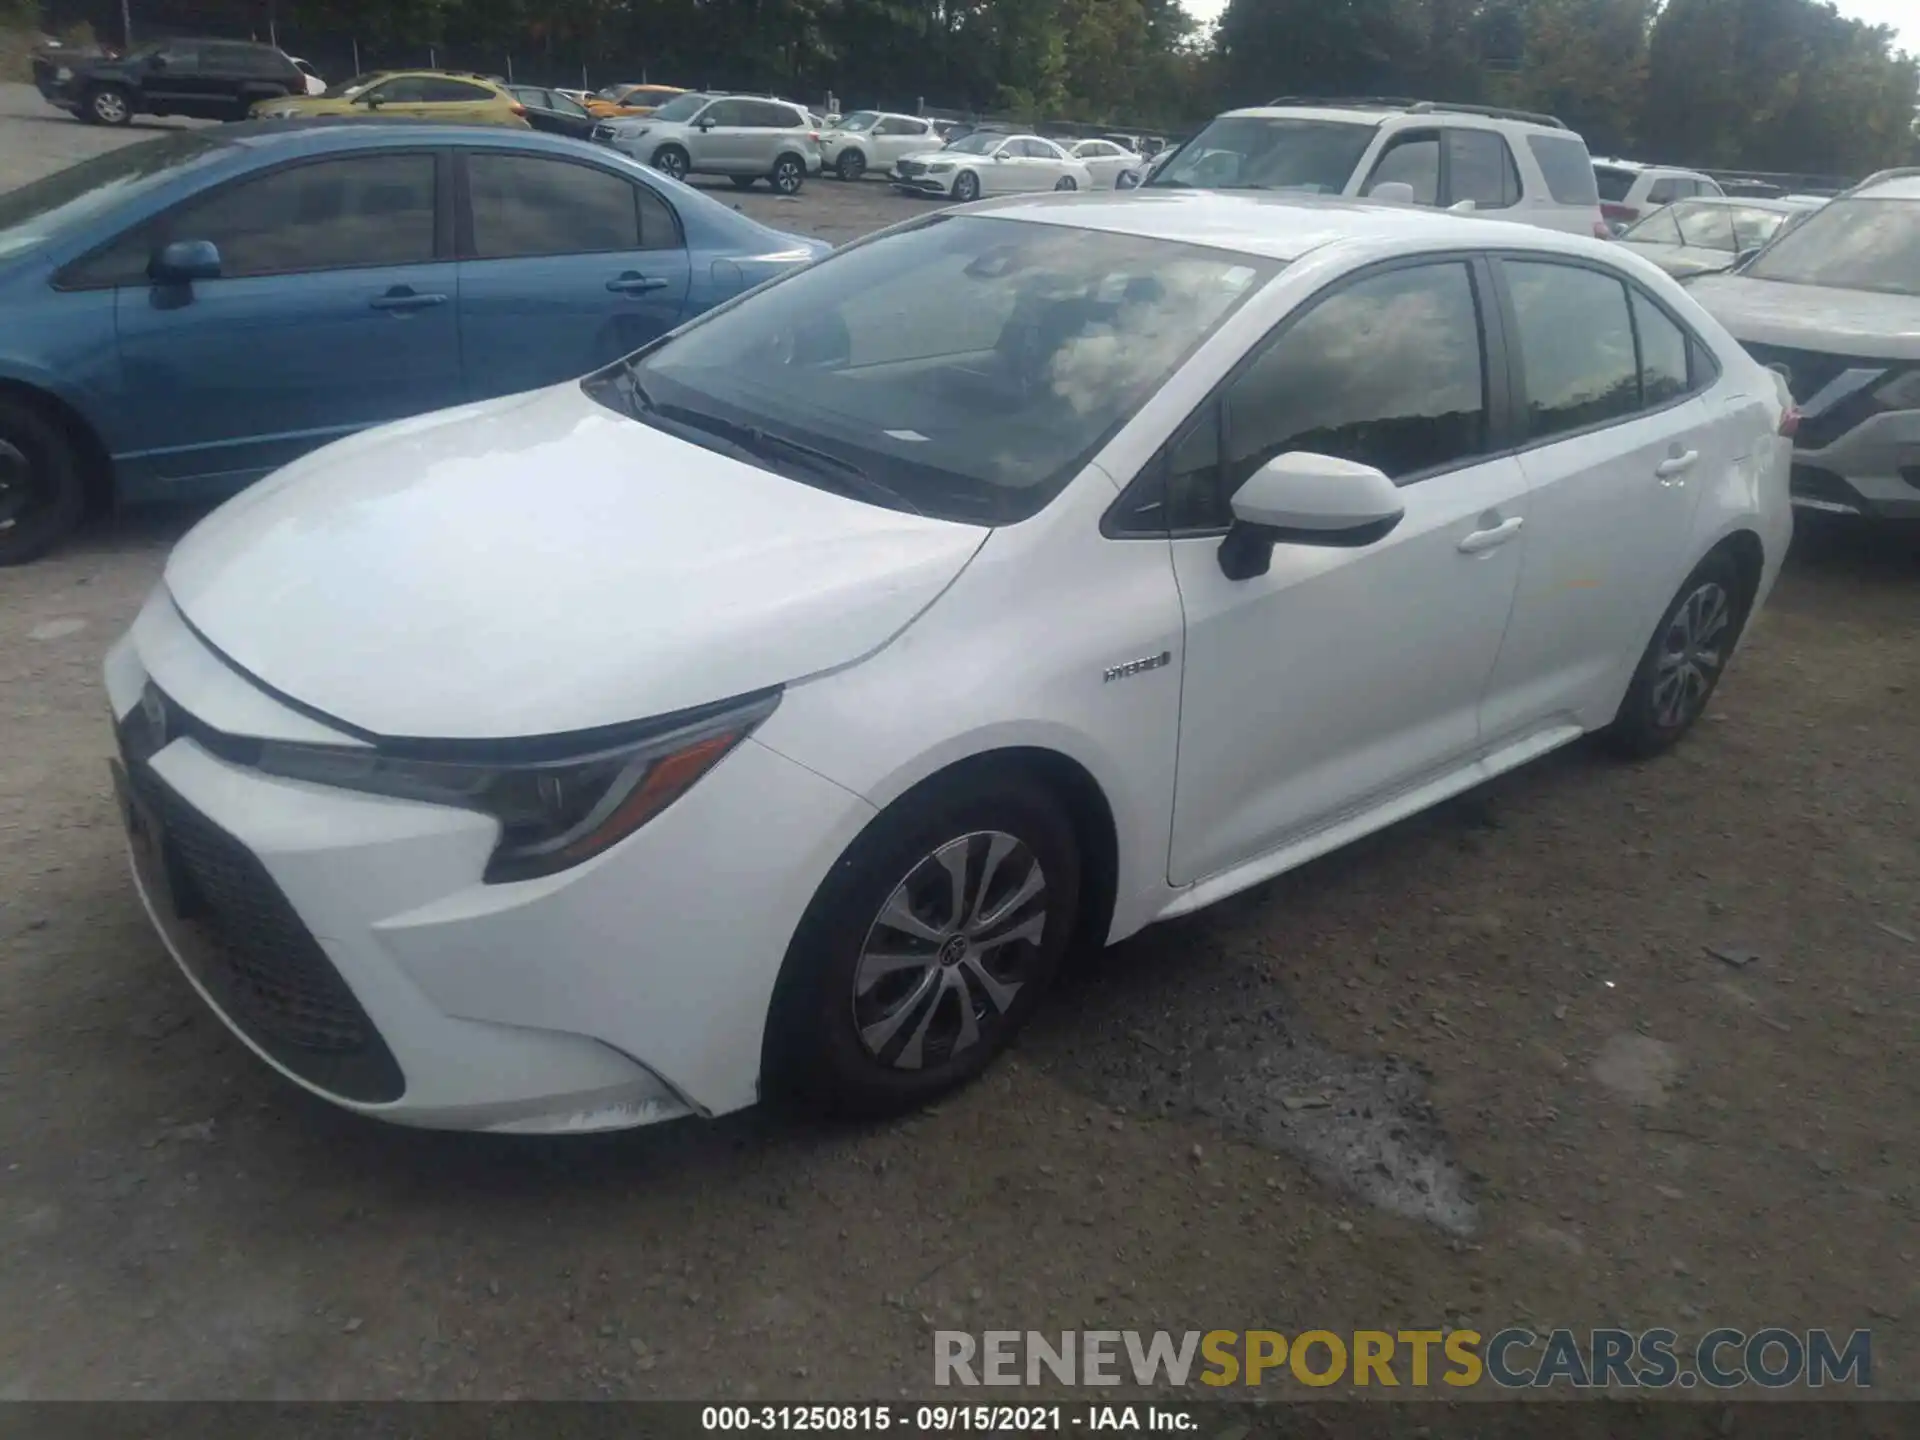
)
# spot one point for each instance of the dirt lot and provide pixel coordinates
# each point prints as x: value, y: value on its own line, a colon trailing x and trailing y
x: 1549, y: 1103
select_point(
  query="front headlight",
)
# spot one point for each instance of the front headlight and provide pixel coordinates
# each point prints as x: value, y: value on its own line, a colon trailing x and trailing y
x: 1902, y: 392
x: 940, y: 167
x: 556, y: 808
x: 62, y: 75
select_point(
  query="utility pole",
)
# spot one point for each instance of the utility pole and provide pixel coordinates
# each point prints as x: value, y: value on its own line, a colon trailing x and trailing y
x: 126, y: 24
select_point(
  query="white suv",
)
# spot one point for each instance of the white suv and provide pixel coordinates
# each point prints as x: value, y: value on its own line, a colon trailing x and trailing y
x: 866, y: 140
x: 1832, y: 305
x: 743, y: 137
x: 1501, y: 164
x: 1630, y: 190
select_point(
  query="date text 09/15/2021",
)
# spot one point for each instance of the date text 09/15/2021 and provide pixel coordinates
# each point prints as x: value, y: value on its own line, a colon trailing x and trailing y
x: 947, y: 1419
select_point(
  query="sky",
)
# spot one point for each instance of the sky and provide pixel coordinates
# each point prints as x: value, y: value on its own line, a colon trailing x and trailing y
x: 1901, y: 14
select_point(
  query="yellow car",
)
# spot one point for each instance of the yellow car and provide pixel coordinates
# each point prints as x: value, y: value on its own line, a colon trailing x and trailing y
x: 419, y: 94
x: 622, y: 100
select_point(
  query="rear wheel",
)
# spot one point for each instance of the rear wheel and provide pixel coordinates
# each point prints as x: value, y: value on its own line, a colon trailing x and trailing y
x: 109, y: 105
x: 1683, y: 662
x: 927, y: 947
x: 788, y: 175
x: 966, y: 187
x: 851, y: 165
x: 42, y: 488
x: 672, y: 161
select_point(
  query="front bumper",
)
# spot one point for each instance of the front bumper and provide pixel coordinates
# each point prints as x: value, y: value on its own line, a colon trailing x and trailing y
x: 1872, y: 470
x: 922, y: 183
x: 347, y: 938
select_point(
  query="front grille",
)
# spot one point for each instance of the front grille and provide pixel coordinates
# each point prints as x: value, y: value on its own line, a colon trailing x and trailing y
x: 1808, y: 373
x: 909, y: 168
x: 259, y: 962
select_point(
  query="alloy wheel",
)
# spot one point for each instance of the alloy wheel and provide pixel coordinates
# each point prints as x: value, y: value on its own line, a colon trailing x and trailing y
x: 1692, y: 652
x: 671, y: 163
x: 852, y: 165
x: 950, y: 950
x: 967, y: 187
x: 787, y: 176
x: 110, y: 107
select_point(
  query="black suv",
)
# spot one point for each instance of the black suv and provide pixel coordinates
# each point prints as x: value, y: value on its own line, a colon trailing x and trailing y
x: 207, y: 79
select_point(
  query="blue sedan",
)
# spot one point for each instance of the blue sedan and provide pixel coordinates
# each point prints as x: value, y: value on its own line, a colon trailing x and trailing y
x: 182, y: 316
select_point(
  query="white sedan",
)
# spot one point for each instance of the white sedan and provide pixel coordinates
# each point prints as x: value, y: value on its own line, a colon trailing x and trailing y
x: 1107, y: 162
x: 989, y: 163
x: 1017, y: 577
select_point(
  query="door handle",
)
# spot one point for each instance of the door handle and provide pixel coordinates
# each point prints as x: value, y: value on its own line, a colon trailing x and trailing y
x: 1676, y: 464
x: 1481, y: 541
x: 402, y: 299
x: 632, y: 284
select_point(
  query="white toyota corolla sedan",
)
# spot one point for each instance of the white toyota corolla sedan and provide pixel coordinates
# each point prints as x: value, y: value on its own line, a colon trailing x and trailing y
x: 768, y: 713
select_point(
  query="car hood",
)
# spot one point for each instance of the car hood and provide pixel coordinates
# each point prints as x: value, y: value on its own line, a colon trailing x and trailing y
x: 1811, y: 317
x: 539, y: 565
x: 1678, y: 259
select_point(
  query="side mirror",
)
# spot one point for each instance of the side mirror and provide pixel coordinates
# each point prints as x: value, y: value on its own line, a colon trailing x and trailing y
x: 1392, y: 192
x: 1745, y: 255
x: 184, y: 261
x: 703, y: 124
x: 1462, y: 207
x: 1305, y: 499
x: 372, y: 102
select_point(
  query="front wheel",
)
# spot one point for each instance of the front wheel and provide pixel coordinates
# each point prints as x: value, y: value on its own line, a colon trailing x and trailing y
x: 671, y: 161
x: 109, y: 105
x: 966, y: 187
x: 788, y: 175
x: 927, y: 947
x: 1066, y: 182
x: 1683, y: 662
x: 851, y: 165
x: 42, y: 489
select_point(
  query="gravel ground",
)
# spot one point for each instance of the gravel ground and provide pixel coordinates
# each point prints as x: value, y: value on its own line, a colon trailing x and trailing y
x: 1481, y: 1069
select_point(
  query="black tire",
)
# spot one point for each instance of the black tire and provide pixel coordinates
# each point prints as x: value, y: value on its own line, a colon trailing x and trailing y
x: 815, y: 1053
x: 966, y: 187
x: 672, y: 161
x: 1689, y: 650
x: 107, y: 105
x: 1066, y: 182
x: 789, y: 174
x: 43, y: 491
x: 851, y: 165
x: 743, y: 182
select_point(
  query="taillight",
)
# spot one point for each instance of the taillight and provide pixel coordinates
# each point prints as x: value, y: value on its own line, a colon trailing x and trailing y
x: 1602, y: 230
x: 1790, y: 422
x: 814, y: 136
x: 1613, y: 211
x: 519, y: 110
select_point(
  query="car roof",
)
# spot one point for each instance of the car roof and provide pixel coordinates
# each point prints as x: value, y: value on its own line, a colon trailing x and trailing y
x: 318, y: 133
x: 1370, y: 111
x: 1889, y: 185
x: 1275, y: 226
x: 1778, y: 204
x: 1642, y: 167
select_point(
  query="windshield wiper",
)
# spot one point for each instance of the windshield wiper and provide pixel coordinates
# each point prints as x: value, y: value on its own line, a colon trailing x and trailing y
x: 847, y: 477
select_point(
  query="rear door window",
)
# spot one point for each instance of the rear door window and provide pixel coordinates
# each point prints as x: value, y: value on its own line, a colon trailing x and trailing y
x: 1567, y: 169
x: 1613, y: 182
x: 1578, y: 359
x: 1480, y: 168
x: 530, y: 205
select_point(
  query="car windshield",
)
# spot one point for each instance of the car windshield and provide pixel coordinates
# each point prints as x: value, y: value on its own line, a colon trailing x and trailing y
x: 44, y: 208
x: 1856, y: 244
x: 981, y: 142
x: 1251, y: 152
x: 859, y: 120
x: 965, y: 367
x: 1614, y: 182
x: 681, y: 107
